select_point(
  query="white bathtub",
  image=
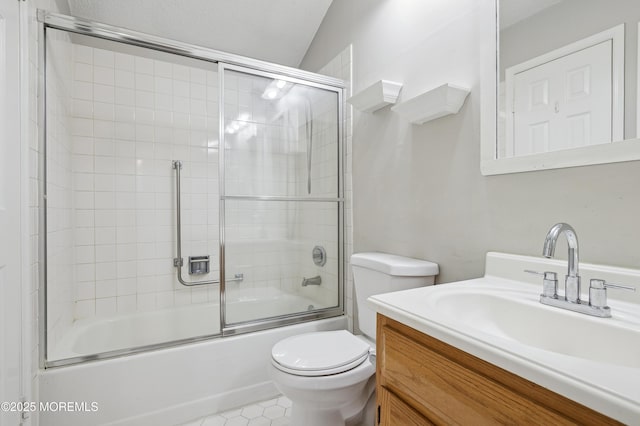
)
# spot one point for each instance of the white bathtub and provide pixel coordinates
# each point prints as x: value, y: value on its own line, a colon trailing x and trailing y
x: 166, y: 386
x: 98, y: 335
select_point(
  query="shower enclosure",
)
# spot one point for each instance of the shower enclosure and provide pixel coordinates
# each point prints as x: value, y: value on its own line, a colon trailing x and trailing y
x: 187, y: 193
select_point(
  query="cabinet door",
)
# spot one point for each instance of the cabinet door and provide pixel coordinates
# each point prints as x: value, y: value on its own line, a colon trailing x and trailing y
x: 394, y: 412
x: 448, y: 386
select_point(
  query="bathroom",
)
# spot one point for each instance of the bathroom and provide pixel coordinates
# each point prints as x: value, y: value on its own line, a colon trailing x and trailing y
x: 93, y: 309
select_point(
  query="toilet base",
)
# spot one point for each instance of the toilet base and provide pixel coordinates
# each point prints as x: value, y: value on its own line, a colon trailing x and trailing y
x: 359, y: 412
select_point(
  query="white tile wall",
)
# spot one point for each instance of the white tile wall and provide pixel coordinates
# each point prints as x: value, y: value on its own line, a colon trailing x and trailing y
x: 131, y: 116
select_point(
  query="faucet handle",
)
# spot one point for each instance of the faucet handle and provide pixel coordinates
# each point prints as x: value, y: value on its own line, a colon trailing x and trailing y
x: 546, y: 274
x: 602, y: 284
x: 598, y: 291
x: 549, y: 282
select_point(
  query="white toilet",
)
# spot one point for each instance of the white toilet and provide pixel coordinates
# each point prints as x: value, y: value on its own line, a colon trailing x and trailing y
x: 329, y: 375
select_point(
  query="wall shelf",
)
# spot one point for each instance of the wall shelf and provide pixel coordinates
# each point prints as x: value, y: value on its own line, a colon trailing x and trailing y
x: 378, y: 95
x: 435, y: 103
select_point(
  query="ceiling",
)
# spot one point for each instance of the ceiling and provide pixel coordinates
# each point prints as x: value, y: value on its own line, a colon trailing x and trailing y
x: 278, y: 31
x: 514, y: 11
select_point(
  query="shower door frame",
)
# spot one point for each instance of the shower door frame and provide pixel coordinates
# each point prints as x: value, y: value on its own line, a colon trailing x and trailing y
x: 225, y: 61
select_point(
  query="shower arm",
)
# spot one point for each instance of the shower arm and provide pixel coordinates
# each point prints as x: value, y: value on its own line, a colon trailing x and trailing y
x: 177, y: 261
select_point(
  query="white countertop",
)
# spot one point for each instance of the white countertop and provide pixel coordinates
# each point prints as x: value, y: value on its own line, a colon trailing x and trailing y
x: 611, y: 387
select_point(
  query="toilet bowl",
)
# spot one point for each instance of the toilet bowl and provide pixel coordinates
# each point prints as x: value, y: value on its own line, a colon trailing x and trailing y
x: 329, y: 376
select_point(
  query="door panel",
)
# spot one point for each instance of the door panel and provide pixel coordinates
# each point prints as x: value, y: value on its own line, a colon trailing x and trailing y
x: 281, y: 137
x: 271, y: 244
x: 118, y: 116
x: 281, y: 174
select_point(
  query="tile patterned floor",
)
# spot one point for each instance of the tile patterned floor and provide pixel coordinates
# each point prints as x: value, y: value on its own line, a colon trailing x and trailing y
x: 273, y: 412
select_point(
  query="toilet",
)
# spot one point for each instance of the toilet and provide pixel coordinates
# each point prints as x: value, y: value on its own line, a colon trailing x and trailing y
x: 329, y: 376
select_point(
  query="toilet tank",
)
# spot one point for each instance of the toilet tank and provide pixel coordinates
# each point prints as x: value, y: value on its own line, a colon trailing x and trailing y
x: 376, y: 273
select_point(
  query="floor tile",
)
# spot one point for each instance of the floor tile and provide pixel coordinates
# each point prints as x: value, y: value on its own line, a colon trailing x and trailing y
x: 213, y: 421
x: 272, y: 412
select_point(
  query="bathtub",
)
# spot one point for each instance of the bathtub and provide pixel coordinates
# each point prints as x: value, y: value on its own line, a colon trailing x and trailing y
x: 173, y: 385
x: 99, y: 335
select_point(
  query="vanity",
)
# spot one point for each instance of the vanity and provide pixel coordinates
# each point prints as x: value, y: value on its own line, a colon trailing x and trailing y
x: 486, y: 351
x: 422, y: 380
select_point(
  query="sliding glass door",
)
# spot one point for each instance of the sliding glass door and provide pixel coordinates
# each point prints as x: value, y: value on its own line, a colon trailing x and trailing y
x: 118, y: 117
x: 185, y: 198
x: 282, y: 205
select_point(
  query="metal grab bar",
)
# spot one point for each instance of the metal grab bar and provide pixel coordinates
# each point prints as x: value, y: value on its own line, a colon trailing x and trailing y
x: 177, y: 261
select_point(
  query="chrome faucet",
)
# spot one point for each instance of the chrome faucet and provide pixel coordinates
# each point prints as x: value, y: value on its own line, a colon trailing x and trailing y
x: 597, y: 304
x: 572, y: 279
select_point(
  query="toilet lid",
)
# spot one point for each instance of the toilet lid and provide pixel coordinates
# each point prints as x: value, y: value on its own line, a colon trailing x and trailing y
x: 320, y: 353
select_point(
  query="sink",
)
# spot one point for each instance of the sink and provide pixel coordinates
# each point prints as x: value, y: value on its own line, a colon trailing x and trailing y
x: 518, y: 316
x: 499, y: 318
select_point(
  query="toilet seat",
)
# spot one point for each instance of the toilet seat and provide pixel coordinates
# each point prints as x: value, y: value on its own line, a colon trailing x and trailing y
x: 319, y: 354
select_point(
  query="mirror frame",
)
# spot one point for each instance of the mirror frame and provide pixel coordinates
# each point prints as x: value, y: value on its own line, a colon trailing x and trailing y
x: 614, y: 152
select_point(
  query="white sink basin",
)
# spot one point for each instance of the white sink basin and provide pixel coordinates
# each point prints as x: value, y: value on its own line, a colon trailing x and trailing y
x: 498, y: 318
x: 518, y: 316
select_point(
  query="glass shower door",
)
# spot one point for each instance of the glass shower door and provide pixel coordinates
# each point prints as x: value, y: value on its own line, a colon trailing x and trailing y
x: 281, y: 201
x: 118, y: 117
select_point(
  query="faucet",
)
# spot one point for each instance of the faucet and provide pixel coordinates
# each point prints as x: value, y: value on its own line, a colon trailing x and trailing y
x: 572, y: 279
x: 597, y: 304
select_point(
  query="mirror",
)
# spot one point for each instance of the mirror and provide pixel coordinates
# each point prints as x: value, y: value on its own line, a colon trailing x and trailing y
x: 565, y: 82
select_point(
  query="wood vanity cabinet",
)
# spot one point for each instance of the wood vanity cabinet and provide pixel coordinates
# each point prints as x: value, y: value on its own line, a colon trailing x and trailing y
x: 424, y: 381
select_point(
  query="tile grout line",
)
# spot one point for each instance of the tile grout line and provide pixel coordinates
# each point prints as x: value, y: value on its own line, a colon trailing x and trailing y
x: 271, y: 412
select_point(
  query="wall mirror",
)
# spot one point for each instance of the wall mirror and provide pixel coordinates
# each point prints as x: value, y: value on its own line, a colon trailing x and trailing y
x: 562, y: 86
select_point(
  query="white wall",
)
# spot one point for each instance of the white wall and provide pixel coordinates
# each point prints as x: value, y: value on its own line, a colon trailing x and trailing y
x: 418, y: 190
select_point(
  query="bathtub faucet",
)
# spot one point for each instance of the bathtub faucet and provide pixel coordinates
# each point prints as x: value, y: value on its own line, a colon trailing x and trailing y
x: 317, y: 280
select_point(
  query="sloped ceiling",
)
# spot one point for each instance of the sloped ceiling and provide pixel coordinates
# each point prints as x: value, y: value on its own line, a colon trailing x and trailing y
x: 514, y: 11
x: 277, y: 31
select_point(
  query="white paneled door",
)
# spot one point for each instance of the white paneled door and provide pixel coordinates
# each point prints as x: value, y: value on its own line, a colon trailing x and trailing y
x: 10, y: 277
x: 564, y: 103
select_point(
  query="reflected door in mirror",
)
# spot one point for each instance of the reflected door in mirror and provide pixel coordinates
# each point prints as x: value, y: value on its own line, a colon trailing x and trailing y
x: 560, y: 104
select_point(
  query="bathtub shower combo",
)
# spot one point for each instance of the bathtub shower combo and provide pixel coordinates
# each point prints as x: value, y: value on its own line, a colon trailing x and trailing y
x: 187, y: 195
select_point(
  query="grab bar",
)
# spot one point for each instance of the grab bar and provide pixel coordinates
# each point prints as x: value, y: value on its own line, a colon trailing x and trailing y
x: 308, y: 127
x: 317, y: 280
x: 178, y: 261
